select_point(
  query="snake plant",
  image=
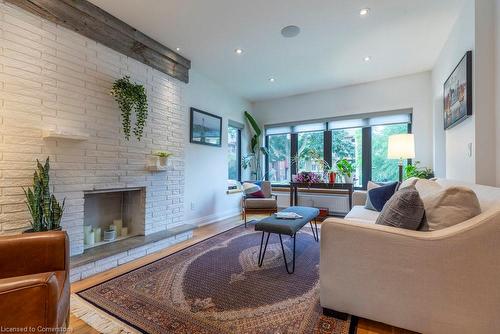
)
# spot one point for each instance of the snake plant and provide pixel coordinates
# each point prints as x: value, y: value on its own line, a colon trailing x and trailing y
x: 45, y: 210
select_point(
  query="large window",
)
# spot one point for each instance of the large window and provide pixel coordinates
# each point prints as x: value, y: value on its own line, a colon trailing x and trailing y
x: 234, y: 153
x: 383, y: 169
x: 348, y: 144
x: 279, y: 165
x: 298, y: 147
x: 310, y: 151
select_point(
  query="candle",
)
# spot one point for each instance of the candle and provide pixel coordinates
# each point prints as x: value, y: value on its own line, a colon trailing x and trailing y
x: 124, y: 231
x: 97, y: 234
x: 118, y: 224
x: 86, y: 233
x: 89, y: 238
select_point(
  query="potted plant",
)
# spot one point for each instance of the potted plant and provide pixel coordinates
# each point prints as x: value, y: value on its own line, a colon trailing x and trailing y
x: 131, y: 96
x: 308, y: 178
x: 253, y: 159
x: 345, y: 168
x: 45, y: 210
x: 419, y: 172
x: 162, y: 157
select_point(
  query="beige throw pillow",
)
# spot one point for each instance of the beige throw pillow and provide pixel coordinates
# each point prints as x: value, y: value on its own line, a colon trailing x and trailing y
x: 427, y: 187
x: 408, y: 182
x: 449, y: 207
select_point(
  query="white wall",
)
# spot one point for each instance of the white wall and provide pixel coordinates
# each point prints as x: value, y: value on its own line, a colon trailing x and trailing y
x: 497, y: 84
x: 451, y: 156
x: 473, y: 30
x: 206, y: 167
x: 412, y: 91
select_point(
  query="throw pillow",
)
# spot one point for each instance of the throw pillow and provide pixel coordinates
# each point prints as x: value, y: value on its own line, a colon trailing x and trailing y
x: 408, y: 182
x: 378, y: 196
x: 257, y: 194
x: 404, y: 210
x: 249, y: 188
x: 449, y: 207
x: 427, y: 187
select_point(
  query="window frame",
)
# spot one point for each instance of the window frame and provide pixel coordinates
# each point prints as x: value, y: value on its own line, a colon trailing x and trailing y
x: 238, y: 151
x: 366, y: 154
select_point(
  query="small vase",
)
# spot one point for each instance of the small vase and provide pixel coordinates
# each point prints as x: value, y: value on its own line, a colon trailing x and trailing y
x: 347, y: 179
x: 331, y: 177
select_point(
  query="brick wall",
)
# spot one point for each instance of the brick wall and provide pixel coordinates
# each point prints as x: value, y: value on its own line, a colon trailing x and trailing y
x: 53, y: 78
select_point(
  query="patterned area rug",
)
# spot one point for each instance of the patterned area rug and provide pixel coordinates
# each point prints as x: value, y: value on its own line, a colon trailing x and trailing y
x: 216, y: 286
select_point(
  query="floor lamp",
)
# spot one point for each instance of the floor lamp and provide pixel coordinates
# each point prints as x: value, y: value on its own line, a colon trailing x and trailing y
x: 401, y: 147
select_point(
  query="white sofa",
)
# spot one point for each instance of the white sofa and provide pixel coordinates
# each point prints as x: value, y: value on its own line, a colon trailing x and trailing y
x: 444, y: 281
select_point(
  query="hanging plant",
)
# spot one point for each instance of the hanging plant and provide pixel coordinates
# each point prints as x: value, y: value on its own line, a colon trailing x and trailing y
x: 131, y: 96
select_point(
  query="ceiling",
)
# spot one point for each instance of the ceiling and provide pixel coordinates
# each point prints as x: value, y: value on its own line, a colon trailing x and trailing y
x: 400, y: 36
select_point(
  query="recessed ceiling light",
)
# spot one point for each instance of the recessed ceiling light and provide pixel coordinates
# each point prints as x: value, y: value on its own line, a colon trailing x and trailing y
x: 178, y: 49
x: 272, y: 79
x: 290, y: 31
x: 367, y: 59
x: 238, y: 51
x: 364, y: 12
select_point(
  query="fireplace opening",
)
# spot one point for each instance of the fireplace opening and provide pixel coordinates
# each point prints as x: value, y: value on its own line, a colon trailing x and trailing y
x: 112, y: 215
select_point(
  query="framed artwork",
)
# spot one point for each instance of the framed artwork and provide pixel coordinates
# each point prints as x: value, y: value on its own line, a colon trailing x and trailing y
x: 205, y: 128
x: 458, y: 93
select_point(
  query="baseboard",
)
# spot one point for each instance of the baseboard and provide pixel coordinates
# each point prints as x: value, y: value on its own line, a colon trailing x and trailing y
x: 214, y: 218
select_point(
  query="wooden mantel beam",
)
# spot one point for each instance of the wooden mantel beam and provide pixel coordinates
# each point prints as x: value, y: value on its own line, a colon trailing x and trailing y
x: 91, y: 21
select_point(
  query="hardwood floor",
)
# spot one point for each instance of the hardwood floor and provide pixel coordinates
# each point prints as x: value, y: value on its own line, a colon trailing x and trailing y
x: 77, y: 326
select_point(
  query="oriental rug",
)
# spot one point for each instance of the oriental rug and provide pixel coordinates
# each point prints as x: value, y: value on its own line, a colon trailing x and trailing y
x: 216, y: 286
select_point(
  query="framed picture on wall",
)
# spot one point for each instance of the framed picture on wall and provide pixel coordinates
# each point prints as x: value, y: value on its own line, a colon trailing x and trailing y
x: 458, y: 93
x: 205, y: 128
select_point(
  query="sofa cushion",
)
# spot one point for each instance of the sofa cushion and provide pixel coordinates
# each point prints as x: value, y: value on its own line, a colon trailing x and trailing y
x: 249, y: 188
x: 489, y: 197
x: 404, y: 210
x: 360, y: 214
x: 378, y: 196
x: 261, y: 203
x: 450, y: 206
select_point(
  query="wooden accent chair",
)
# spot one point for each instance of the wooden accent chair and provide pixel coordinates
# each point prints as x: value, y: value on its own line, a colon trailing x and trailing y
x: 34, y: 281
x: 266, y: 205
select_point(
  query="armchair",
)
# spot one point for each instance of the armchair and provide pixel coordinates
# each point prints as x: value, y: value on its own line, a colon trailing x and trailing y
x: 266, y: 205
x: 34, y: 281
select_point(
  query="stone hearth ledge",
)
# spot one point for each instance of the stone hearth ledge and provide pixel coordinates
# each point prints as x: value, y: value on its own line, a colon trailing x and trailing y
x: 108, y: 256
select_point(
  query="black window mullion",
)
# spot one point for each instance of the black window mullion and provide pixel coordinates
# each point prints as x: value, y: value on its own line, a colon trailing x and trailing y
x: 366, y: 139
x: 266, y: 158
x: 238, y: 155
x: 294, y: 147
x: 327, y: 147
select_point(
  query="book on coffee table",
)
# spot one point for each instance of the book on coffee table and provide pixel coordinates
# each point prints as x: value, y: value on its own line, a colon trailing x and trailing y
x: 287, y: 215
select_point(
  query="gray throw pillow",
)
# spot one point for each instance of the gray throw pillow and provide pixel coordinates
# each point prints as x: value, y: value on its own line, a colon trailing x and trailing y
x: 405, y: 209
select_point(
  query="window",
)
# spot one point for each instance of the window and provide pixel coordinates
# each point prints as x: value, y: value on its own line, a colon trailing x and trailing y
x: 362, y: 140
x: 278, y: 147
x: 234, y: 153
x: 383, y: 169
x: 348, y: 144
x: 309, y: 150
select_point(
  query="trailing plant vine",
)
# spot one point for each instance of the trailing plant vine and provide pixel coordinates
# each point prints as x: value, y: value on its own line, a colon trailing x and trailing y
x: 131, y: 96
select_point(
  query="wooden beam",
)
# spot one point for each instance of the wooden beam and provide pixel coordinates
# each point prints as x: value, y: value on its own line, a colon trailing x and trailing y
x: 91, y: 21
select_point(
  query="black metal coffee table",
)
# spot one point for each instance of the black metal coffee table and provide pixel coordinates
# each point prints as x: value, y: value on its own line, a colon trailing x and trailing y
x: 288, y: 227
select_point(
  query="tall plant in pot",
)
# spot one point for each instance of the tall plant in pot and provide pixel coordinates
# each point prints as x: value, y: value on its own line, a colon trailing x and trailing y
x: 253, y: 160
x: 46, y: 212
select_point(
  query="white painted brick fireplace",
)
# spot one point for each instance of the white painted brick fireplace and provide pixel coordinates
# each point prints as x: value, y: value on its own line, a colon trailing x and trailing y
x: 54, y: 79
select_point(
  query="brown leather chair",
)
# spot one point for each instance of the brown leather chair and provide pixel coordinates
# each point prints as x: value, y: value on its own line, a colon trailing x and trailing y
x: 266, y: 205
x: 34, y: 281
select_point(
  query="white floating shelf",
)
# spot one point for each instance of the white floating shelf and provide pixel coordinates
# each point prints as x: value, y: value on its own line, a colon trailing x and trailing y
x: 157, y: 168
x: 52, y: 134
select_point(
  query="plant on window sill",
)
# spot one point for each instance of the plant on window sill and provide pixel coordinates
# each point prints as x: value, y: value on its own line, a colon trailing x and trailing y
x: 131, y: 96
x: 419, y: 172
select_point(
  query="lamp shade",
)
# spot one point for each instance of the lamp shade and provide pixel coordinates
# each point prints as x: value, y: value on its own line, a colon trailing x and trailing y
x: 401, y: 146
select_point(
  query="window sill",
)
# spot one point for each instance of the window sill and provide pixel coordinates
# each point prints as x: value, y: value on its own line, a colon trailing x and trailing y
x: 233, y: 191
